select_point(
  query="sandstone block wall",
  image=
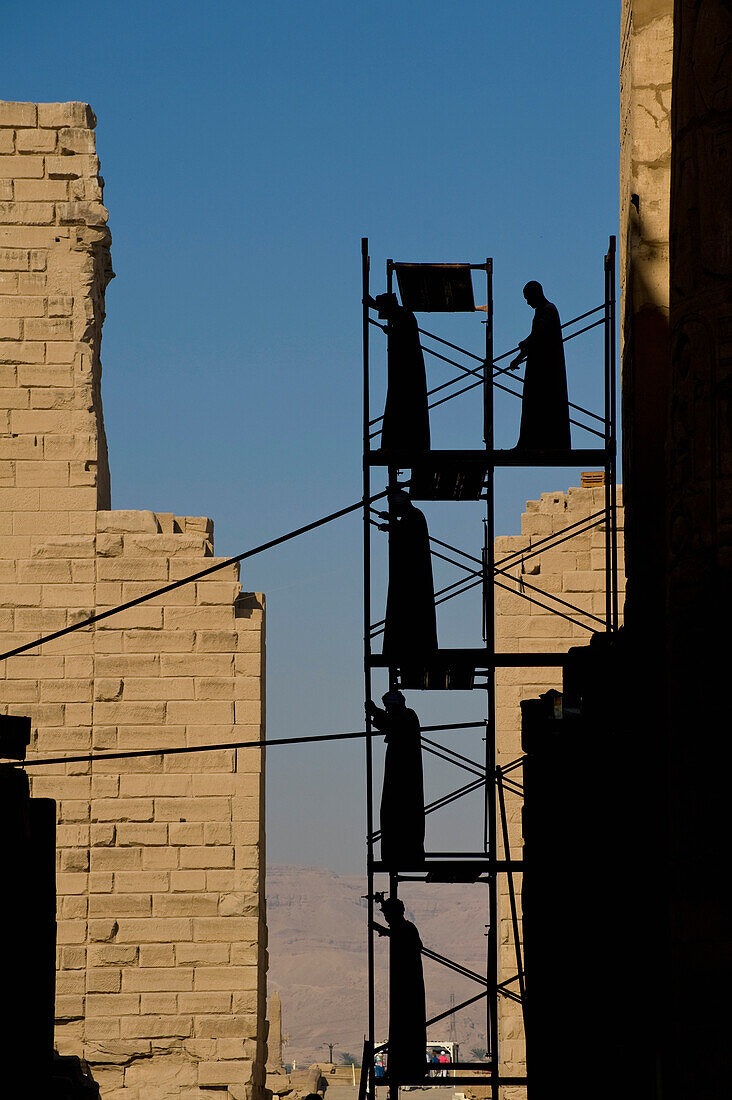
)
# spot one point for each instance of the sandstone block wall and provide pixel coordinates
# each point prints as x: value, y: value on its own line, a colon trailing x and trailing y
x: 645, y: 179
x: 573, y: 571
x: 161, y: 933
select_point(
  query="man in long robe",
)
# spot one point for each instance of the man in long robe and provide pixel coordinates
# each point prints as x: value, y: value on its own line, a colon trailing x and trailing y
x: 545, y: 406
x: 407, y: 1053
x: 406, y: 423
x: 410, y: 628
x: 402, y: 796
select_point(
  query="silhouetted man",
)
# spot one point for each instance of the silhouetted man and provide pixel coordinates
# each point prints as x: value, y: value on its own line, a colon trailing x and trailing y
x: 406, y: 423
x: 407, y: 1055
x: 402, y: 796
x: 410, y: 627
x: 545, y: 407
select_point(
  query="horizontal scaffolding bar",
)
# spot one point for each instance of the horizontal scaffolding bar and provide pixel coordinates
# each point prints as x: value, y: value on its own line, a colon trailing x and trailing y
x: 466, y: 860
x: 490, y: 459
x: 482, y: 659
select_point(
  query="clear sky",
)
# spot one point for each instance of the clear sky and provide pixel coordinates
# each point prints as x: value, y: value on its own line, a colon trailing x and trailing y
x: 247, y: 147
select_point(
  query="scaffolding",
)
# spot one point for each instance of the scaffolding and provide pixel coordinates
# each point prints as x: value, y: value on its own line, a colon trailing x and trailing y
x: 458, y: 476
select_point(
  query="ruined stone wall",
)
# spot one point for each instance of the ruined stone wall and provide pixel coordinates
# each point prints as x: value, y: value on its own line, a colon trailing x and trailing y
x: 574, y: 571
x: 161, y: 933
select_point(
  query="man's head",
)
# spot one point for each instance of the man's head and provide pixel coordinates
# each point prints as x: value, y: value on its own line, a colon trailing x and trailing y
x: 393, y: 701
x: 386, y: 305
x: 393, y: 910
x: 399, y: 501
x: 534, y: 293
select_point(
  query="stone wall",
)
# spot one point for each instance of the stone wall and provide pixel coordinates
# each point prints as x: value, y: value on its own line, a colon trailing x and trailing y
x: 697, y: 1061
x: 162, y: 937
x: 645, y: 176
x: 574, y: 571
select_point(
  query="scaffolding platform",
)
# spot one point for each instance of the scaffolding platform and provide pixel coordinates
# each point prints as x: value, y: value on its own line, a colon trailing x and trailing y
x: 455, y: 669
x: 462, y: 475
x: 440, y: 475
x: 457, y: 867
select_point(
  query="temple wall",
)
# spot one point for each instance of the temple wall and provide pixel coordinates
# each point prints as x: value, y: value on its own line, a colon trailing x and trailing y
x: 645, y: 178
x: 574, y: 571
x: 161, y: 978
x: 696, y: 1061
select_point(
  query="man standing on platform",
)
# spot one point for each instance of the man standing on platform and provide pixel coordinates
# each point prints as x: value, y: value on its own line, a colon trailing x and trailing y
x: 407, y: 1053
x: 545, y: 405
x: 402, y: 799
x: 406, y: 423
x: 410, y: 627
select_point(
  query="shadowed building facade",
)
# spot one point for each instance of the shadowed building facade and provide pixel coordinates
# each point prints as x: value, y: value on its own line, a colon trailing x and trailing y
x: 574, y: 571
x: 633, y: 998
x: 161, y: 920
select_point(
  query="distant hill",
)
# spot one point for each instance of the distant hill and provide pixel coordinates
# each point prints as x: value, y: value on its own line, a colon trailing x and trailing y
x: 317, y: 953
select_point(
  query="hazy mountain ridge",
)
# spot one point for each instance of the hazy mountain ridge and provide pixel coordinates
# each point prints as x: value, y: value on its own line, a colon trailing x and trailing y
x: 317, y: 952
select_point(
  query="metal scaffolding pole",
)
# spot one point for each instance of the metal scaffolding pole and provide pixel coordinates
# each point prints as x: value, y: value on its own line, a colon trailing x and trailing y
x: 369, y: 1044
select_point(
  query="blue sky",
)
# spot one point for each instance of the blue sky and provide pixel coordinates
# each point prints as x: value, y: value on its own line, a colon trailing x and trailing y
x: 246, y: 149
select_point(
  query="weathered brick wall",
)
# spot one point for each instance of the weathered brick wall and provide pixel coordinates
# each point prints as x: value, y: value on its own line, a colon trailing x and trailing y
x: 574, y: 571
x: 162, y: 937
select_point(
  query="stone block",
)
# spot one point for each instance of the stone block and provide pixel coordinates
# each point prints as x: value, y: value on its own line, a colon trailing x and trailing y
x: 200, y: 712
x: 209, y: 954
x: 156, y: 1027
x: 57, y: 115
x: 123, y: 809
x: 215, y: 978
x: 70, y: 167
x: 76, y: 139
x: 192, y: 809
x: 35, y: 141
x: 160, y: 859
x: 102, y: 1028
x: 112, y: 1004
x: 14, y: 259
x: 162, y: 785
x: 186, y: 881
x: 21, y: 167
x: 185, y: 905
x: 216, y: 641
x: 155, y: 930
x: 36, y: 190
x: 17, y: 114
x: 197, y: 618
x: 224, y: 929
x: 10, y: 329
x: 221, y: 1074
x: 209, y: 856
x: 158, y: 1003
x: 163, y: 641
x: 140, y: 881
x: 197, y: 664
x: 158, y: 979
x: 82, y: 213
x: 104, y: 979
x: 157, y: 954
x: 26, y: 213
x: 21, y: 305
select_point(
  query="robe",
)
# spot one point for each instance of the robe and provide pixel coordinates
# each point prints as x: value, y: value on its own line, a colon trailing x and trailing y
x: 406, y: 424
x: 545, y: 408
x: 410, y: 628
x: 407, y: 1054
x: 402, y: 796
